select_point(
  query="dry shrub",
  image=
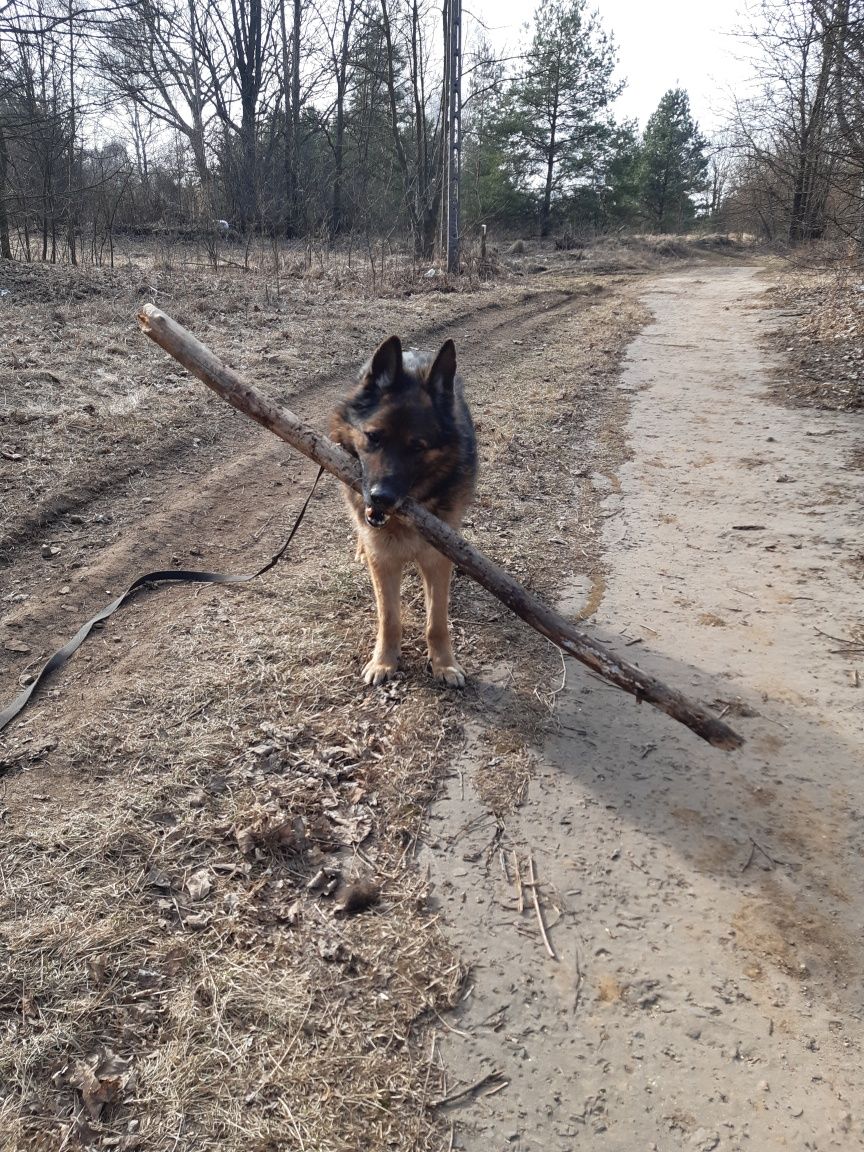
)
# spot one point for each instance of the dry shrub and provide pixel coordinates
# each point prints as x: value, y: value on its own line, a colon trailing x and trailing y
x: 824, y: 349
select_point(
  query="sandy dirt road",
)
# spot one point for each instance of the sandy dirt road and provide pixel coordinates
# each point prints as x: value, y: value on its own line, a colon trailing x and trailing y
x: 197, y: 715
x: 706, y: 909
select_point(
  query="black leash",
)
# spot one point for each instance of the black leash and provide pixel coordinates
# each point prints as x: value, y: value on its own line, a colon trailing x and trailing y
x: 173, y: 574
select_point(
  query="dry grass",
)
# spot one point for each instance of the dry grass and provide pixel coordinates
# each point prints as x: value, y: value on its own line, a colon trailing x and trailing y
x: 824, y: 345
x: 187, y: 918
x: 637, y: 253
x: 85, y: 403
x: 188, y: 802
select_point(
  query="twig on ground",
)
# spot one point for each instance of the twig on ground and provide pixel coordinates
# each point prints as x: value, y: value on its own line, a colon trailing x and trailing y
x: 517, y: 868
x: 848, y: 641
x: 533, y: 880
x: 496, y: 1076
x: 580, y: 980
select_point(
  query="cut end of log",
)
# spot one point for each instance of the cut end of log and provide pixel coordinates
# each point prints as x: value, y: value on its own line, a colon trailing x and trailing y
x: 144, y: 315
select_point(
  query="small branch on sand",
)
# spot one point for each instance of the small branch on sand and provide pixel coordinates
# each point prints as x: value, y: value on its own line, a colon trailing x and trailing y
x: 517, y: 868
x: 192, y: 354
x: 495, y: 1077
x: 534, y: 897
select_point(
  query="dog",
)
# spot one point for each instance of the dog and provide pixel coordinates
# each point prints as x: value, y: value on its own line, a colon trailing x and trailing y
x: 408, y: 424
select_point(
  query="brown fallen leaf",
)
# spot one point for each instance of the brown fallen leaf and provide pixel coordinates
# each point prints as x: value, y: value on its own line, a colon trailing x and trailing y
x: 101, y: 1079
x: 269, y: 827
x: 358, y: 896
x: 292, y: 915
x: 16, y: 646
x: 352, y: 828
x: 199, y: 884
x: 197, y: 920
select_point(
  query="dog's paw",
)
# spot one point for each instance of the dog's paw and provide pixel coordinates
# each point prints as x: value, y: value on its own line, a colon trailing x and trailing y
x: 448, y: 673
x: 380, y: 670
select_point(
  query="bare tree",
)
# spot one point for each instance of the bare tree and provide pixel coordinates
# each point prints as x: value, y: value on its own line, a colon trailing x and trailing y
x: 290, y: 96
x: 152, y: 57
x: 786, y: 134
x: 415, y: 119
x: 235, y: 55
x: 843, y: 21
x: 338, y: 26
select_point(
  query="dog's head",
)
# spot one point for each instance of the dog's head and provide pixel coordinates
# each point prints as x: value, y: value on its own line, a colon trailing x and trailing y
x: 399, y: 423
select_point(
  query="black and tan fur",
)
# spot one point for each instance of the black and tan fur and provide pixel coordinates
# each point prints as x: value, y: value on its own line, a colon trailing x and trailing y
x: 409, y: 426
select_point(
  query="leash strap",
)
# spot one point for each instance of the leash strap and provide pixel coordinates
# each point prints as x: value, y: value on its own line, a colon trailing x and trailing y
x: 168, y: 576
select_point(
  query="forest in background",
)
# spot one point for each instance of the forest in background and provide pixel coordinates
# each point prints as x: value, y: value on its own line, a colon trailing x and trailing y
x: 325, y: 119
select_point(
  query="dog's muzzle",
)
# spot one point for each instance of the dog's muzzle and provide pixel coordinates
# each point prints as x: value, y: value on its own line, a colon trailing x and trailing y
x: 381, y: 503
x: 375, y: 517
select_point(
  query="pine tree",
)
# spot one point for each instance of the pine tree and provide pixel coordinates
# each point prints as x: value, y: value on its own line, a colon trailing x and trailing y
x: 559, y: 118
x: 619, y: 195
x: 489, y: 184
x: 673, y: 164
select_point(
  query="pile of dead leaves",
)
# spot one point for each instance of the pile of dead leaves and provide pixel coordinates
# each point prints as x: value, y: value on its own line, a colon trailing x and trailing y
x: 824, y: 342
x: 206, y: 966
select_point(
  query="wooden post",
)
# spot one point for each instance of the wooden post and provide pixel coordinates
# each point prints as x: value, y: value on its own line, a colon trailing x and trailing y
x: 228, y: 384
x: 454, y: 134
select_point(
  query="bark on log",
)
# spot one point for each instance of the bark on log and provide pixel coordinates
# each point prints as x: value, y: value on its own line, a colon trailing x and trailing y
x: 228, y: 384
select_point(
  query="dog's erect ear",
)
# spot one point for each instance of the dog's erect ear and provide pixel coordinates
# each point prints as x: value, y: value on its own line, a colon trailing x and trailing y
x: 443, y: 371
x: 387, y: 363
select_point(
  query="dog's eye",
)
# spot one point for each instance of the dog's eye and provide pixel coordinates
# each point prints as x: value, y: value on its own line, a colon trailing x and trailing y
x: 417, y: 445
x: 373, y: 439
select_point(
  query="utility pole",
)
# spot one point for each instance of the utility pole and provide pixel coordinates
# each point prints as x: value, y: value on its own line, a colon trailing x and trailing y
x: 453, y: 72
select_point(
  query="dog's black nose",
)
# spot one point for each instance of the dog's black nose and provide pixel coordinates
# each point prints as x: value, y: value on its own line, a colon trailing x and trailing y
x: 382, y: 497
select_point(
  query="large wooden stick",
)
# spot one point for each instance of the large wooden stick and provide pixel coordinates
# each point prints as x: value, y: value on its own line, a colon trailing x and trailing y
x: 200, y: 361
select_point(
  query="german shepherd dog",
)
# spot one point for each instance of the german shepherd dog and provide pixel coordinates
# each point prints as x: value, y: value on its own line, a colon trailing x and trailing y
x: 409, y: 426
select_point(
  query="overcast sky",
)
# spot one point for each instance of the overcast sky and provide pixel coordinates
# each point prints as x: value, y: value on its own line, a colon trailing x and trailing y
x: 662, y: 44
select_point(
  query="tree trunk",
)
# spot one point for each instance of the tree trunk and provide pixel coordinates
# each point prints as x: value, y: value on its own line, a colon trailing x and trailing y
x: 425, y: 245
x: 248, y: 170
x: 73, y: 131
x: 5, y: 242
x: 196, y: 136
x: 421, y: 244
x: 546, y: 208
x: 287, y: 126
x: 295, y: 112
x: 338, y: 166
x: 348, y: 13
x: 799, y: 211
x: 454, y: 140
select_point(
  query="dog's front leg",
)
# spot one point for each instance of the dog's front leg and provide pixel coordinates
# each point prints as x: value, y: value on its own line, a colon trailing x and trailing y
x: 436, y: 571
x: 387, y: 581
